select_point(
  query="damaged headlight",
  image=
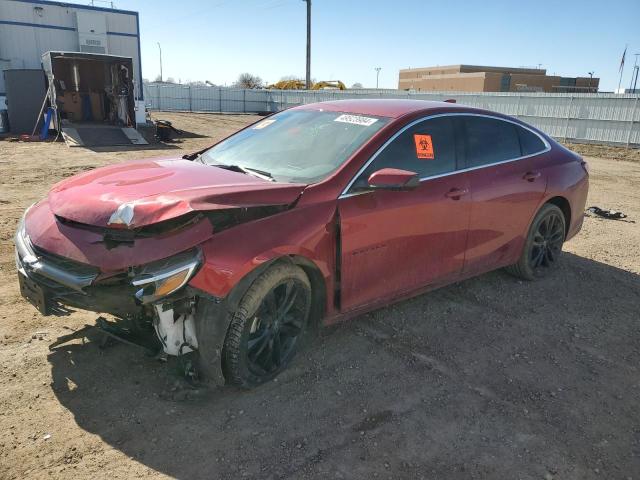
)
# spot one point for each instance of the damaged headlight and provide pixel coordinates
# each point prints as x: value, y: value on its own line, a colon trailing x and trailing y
x: 24, y: 252
x: 159, y: 279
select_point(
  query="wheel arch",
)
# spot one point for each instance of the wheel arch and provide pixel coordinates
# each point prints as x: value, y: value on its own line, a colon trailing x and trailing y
x: 563, y: 204
x: 310, y: 268
x: 214, y: 314
x: 318, y: 288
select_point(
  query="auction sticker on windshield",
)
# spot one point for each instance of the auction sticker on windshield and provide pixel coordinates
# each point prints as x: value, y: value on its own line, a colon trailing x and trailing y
x: 356, y: 120
x: 264, y: 123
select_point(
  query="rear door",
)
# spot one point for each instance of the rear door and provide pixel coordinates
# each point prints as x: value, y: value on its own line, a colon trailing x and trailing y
x: 396, y: 241
x: 506, y: 188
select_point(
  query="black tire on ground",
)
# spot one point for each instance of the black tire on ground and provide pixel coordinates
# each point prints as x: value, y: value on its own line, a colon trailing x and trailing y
x: 543, y: 246
x: 268, y: 326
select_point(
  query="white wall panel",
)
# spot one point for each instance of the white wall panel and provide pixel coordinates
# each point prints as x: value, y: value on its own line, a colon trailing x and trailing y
x: 602, y: 118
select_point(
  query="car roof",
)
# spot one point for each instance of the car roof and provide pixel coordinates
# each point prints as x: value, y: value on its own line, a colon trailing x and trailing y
x: 382, y: 107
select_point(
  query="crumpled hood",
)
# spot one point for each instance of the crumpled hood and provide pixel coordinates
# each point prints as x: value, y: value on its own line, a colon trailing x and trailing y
x: 151, y: 191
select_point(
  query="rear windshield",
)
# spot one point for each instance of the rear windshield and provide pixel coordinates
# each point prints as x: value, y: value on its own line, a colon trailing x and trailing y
x: 297, y: 146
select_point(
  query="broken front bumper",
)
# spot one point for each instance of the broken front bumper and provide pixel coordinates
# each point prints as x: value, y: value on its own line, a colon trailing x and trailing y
x: 48, y: 280
x: 45, y: 278
x: 50, y: 283
x: 41, y: 283
x: 184, y: 320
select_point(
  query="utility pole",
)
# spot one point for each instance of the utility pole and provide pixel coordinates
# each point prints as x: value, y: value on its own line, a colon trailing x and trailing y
x: 377, y: 69
x: 634, y: 78
x: 160, y: 48
x: 308, y: 79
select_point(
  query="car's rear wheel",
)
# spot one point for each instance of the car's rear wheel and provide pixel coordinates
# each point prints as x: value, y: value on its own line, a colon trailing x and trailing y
x: 268, y: 326
x: 543, y: 246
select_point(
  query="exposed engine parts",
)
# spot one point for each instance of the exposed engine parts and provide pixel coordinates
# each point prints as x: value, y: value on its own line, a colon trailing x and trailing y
x: 172, y: 323
x: 177, y: 332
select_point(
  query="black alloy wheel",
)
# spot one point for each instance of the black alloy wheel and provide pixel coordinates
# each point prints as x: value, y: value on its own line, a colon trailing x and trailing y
x: 268, y: 326
x: 543, y: 245
x: 276, y: 327
x: 547, y: 241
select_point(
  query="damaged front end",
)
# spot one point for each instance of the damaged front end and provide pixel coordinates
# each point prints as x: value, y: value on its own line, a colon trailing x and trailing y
x: 154, y: 291
x: 153, y: 305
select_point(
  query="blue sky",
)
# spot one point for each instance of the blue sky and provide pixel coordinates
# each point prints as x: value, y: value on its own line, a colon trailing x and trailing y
x: 218, y: 39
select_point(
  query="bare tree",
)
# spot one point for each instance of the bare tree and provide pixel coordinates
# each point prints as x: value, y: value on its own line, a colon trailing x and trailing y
x: 356, y: 85
x: 248, y: 80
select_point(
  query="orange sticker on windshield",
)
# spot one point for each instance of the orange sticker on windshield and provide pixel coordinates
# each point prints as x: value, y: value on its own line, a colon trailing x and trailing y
x: 424, y: 146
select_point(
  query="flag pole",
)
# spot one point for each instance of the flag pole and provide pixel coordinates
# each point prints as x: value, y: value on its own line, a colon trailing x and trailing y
x: 624, y: 54
x: 620, y: 81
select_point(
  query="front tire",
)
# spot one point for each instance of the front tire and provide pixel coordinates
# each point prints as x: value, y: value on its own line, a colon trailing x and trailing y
x: 543, y: 246
x: 268, y: 326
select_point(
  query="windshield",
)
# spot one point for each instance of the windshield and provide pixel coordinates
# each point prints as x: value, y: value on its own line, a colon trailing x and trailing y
x: 297, y: 146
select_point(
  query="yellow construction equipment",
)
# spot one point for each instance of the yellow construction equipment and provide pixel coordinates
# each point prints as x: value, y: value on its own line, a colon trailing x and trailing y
x: 329, y: 85
x: 288, y: 85
x: 300, y: 85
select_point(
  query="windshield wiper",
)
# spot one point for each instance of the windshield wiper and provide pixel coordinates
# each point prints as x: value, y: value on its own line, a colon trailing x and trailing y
x: 247, y: 170
x: 260, y: 173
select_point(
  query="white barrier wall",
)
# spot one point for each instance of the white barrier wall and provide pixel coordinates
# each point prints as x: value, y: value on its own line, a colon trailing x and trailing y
x: 597, y: 118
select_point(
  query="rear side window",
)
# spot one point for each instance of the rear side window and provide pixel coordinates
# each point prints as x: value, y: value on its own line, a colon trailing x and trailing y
x: 489, y: 140
x: 428, y: 148
x: 530, y: 143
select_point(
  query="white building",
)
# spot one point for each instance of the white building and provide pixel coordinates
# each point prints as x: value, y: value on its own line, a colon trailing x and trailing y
x: 29, y: 28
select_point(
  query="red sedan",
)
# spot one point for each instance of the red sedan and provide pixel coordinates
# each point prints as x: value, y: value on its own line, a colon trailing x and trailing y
x: 307, y: 217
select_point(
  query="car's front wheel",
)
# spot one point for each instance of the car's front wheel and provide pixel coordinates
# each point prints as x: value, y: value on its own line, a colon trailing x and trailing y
x: 543, y: 246
x: 268, y: 326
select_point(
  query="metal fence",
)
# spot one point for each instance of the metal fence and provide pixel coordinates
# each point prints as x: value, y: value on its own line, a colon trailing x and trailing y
x: 596, y: 118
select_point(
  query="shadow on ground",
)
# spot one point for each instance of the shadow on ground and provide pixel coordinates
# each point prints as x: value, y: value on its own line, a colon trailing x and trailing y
x: 134, y: 148
x: 491, y: 377
x: 173, y: 143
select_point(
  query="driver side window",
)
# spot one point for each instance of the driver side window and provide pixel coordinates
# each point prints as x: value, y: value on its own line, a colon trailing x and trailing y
x: 427, y: 148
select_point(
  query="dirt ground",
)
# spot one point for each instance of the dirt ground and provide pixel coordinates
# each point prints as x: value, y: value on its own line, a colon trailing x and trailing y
x: 488, y: 378
x: 605, y: 151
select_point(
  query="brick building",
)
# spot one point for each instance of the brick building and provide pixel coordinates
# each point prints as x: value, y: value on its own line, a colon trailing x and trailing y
x: 477, y: 78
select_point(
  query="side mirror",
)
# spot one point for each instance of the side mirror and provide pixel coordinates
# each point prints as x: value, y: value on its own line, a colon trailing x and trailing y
x: 393, y: 179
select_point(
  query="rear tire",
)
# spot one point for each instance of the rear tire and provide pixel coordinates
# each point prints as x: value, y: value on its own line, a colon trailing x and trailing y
x: 543, y: 246
x: 268, y: 326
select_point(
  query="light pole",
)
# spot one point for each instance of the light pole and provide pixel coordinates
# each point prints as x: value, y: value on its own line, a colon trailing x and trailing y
x: 590, y: 78
x: 308, y: 79
x: 377, y: 69
x: 160, y: 48
x: 634, y: 74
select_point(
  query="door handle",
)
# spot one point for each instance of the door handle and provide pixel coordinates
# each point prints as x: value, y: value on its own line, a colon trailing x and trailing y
x: 456, y: 193
x: 531, y: 176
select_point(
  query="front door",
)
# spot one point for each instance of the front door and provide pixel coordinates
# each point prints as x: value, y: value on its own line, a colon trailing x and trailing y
x: 393, y: 242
